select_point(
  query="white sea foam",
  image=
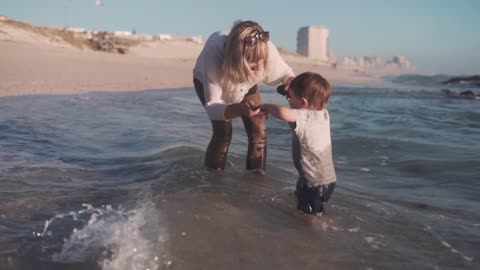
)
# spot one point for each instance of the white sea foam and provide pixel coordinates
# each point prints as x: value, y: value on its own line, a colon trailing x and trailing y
x: 384, y: 160
x: 343, y: 160
x: 375, y: 241
x: 453, y: 250
x: 359, y: 218
x: 448, y: 245
x: 326, y: 225
x: 117, y: 238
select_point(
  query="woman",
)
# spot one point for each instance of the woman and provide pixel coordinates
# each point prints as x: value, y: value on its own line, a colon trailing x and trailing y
x: 225, y: 78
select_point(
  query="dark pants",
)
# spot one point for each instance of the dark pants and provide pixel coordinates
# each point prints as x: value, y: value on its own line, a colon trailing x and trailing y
x: 217, y: 149
x: 312, y: 200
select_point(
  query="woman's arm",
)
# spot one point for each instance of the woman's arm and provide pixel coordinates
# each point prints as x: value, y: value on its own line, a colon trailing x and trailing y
x: 282, y: 89
x: 279, y: 111
x: 207, y: 71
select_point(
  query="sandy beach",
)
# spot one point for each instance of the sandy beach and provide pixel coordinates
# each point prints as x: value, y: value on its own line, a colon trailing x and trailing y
x: 35, y: 64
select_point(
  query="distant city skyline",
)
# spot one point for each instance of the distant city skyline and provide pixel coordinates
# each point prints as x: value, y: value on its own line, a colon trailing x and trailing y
x: 438, y: 37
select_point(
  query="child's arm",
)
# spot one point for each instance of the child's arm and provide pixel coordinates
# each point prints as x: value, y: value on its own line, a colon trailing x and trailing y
x: 279, y: 111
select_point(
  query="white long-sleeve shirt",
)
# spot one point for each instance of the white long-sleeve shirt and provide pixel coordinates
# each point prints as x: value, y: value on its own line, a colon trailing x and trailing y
x: 207, y: 71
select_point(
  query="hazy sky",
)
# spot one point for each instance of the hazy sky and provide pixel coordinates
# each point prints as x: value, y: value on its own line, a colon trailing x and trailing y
x: 438, y: 36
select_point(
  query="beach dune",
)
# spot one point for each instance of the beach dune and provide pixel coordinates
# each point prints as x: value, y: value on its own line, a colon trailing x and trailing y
x: 32, y: 63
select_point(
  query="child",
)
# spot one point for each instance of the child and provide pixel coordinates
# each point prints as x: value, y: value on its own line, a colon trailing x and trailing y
x: 307, y: 95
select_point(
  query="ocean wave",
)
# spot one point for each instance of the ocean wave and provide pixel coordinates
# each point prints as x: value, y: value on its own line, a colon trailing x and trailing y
x: 440, y: 80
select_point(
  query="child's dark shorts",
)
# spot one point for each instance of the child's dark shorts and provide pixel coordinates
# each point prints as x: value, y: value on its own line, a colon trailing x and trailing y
x: 311, y: 200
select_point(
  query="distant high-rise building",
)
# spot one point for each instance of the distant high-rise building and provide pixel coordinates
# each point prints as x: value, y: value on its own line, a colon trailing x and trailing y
x: 312, y: 42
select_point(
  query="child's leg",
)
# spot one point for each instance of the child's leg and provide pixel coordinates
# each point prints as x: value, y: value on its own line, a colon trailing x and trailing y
x: 304, y: 195
x: 311, y: 200
x: 322, y: 195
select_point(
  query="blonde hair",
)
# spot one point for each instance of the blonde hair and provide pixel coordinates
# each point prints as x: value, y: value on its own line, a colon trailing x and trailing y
x: 313, y: 87
x: 238, y: 55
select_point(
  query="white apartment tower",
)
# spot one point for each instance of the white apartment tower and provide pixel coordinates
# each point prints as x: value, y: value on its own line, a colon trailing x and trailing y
x: 312, y: 42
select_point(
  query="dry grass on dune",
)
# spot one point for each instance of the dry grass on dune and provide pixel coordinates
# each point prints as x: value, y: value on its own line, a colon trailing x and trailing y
x: 79, y: 41
x: 54, y: 35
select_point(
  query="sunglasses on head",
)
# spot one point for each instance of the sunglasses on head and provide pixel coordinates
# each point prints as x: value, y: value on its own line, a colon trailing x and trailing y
x: 252, y: 40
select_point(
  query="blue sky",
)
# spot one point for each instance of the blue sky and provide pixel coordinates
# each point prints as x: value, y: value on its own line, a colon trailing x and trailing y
x: 438, y: 36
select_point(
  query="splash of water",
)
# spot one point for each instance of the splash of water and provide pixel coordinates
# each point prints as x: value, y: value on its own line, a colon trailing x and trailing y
x: 116, y: 238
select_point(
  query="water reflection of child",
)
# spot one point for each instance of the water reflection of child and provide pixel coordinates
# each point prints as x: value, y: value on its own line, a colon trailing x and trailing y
x: 309, y: 119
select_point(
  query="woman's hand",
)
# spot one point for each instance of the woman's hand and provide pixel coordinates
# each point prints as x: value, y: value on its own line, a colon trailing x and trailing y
x: 282, y: 89
x: 260, y: 116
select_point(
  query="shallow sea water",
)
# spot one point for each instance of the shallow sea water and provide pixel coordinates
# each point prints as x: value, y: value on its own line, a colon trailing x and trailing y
x: 116, y: 181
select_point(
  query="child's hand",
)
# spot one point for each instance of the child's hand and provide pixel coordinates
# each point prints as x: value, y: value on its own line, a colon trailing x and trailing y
x: 250, y: 109
x: 256, y: 113
x: 254, y: 107
x: 263, y: 113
